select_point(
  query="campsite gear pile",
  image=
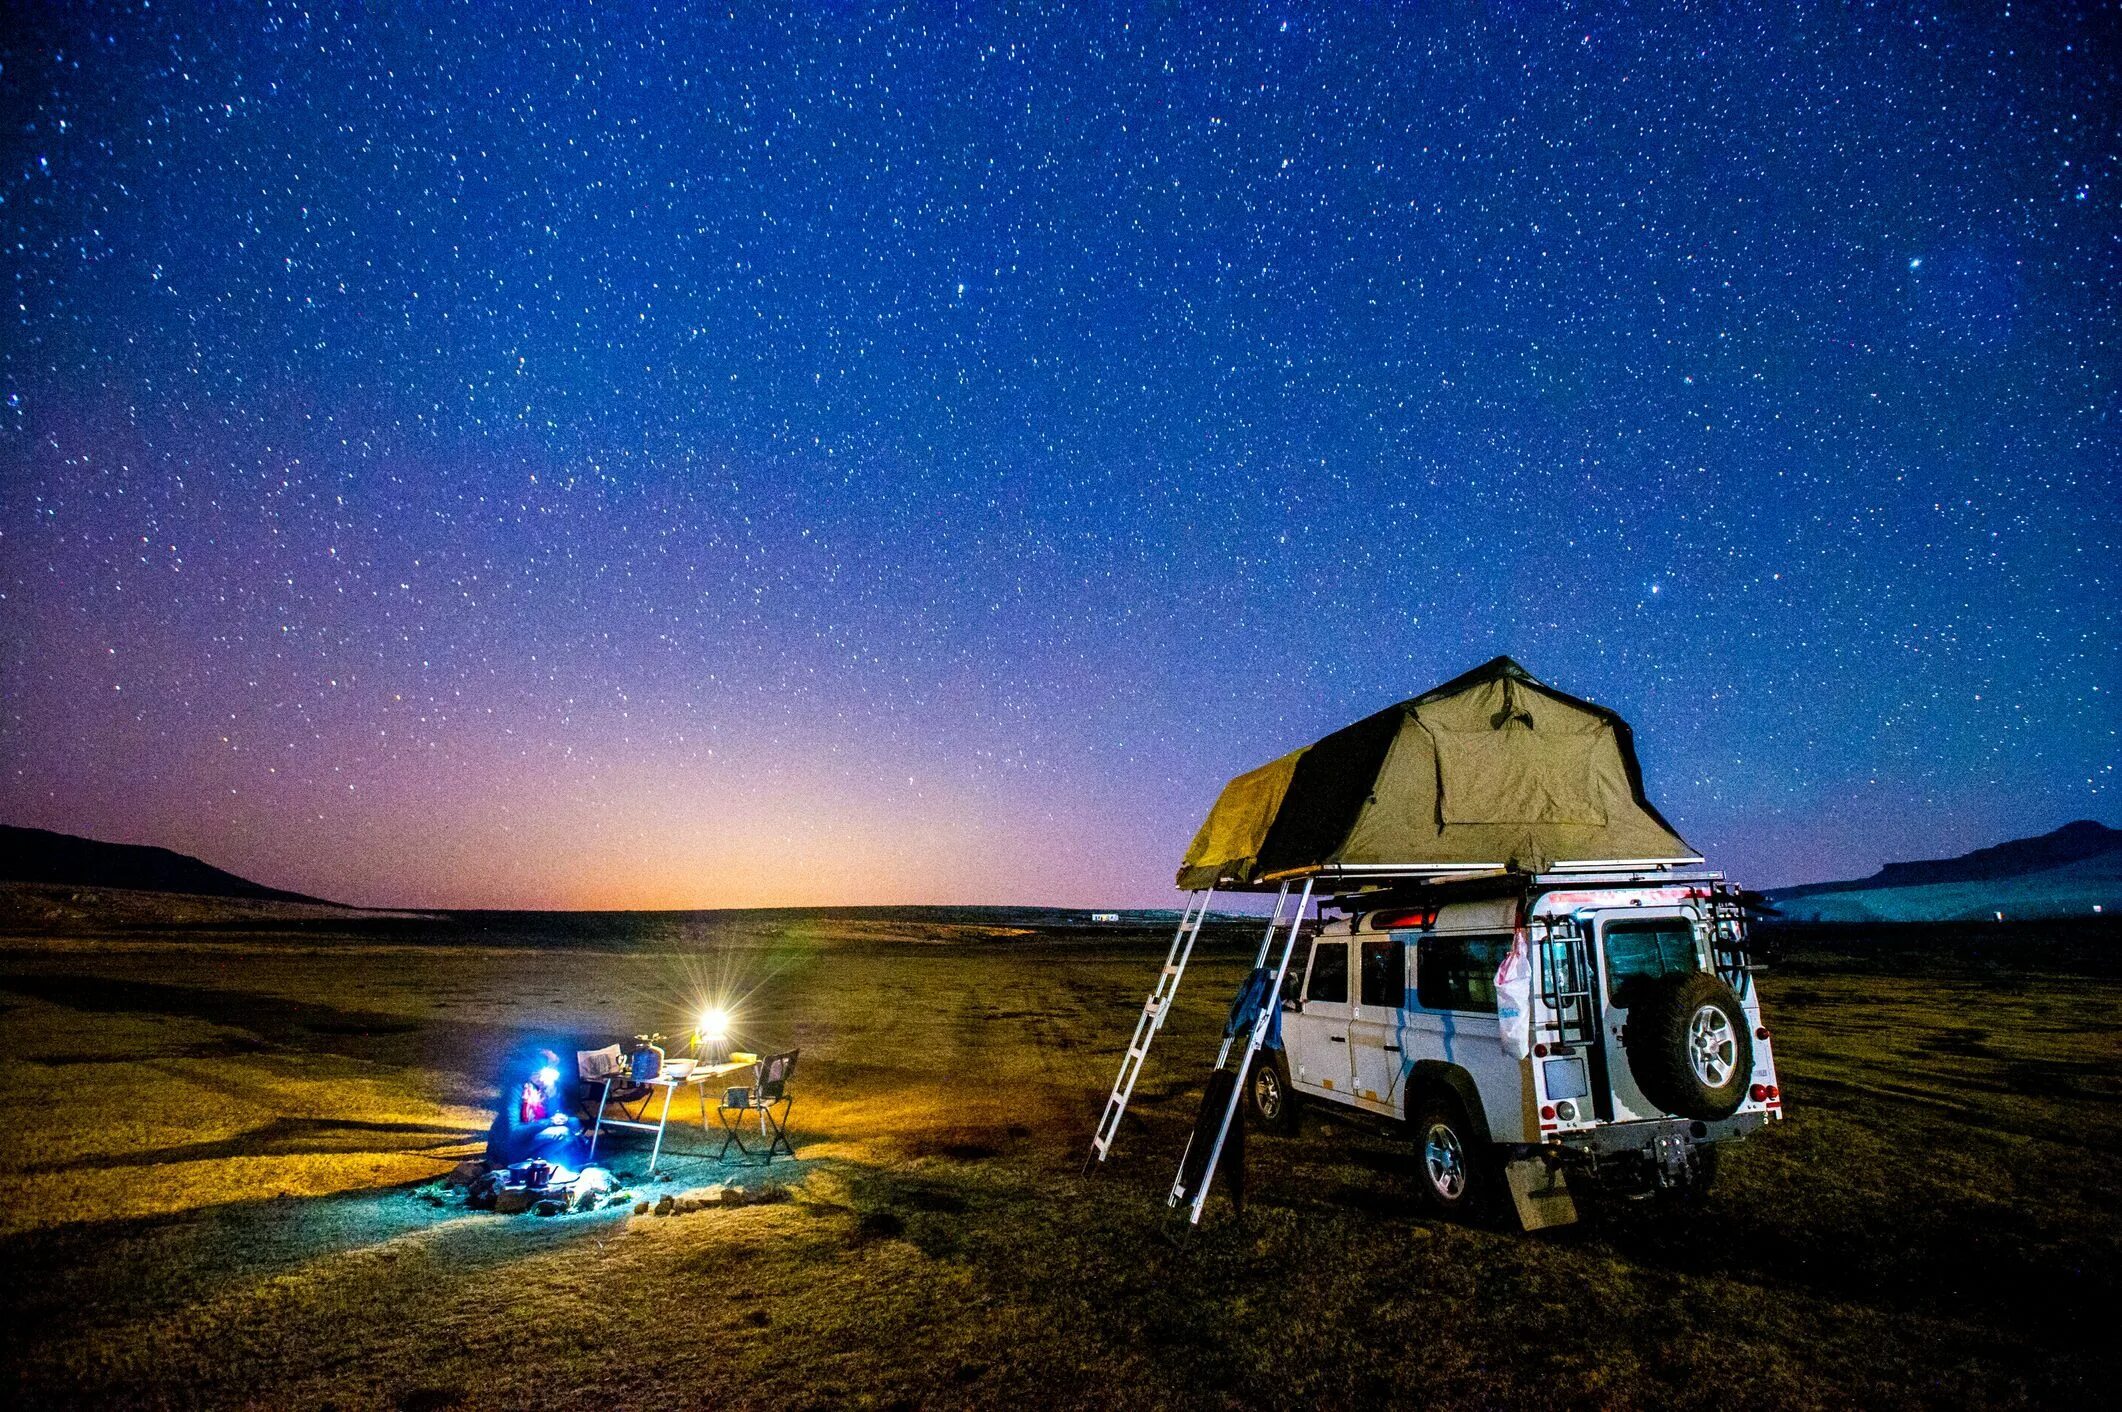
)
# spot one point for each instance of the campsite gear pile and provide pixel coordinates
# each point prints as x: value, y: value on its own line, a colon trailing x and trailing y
x: 537, y: 1185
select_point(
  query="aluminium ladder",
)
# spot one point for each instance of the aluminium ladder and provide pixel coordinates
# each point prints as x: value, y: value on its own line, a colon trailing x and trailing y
x: 1154, y: 1010
x: 1194, y: 1189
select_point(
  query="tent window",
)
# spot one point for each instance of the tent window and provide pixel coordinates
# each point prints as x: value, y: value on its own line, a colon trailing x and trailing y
x: 1329, y: 977
x: 1384, y: 975
x: 1459, y: 972
x: 1640, y: 952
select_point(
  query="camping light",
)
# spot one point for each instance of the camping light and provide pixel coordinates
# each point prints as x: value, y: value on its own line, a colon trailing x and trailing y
x: 714, y: 1024
x: 548, y: 1076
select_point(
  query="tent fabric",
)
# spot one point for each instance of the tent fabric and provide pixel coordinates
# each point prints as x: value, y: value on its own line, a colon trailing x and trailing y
x: 1493, y: 768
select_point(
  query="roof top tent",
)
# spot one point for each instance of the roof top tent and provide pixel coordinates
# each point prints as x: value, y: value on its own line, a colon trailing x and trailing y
x: 1492, y: 771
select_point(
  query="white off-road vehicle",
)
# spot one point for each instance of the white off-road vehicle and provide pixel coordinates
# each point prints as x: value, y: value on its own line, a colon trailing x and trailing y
x: 1525, y: 968
x: 1523, y: 1028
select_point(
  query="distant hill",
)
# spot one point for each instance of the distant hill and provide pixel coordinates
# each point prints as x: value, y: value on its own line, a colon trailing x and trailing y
x: 2065, y: 873
x: 40, y: 856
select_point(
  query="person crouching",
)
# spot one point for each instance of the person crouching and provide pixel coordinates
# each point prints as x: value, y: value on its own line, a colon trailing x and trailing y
x: 534, y: 1120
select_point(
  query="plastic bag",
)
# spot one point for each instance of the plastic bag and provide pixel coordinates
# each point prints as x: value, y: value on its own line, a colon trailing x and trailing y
x: 1514, y: 997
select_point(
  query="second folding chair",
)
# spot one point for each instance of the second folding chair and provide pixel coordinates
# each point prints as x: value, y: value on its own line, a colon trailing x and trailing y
x: 767, y: 1100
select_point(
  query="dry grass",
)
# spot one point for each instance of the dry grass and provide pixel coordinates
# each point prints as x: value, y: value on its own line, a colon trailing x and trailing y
x: 228, y: 1216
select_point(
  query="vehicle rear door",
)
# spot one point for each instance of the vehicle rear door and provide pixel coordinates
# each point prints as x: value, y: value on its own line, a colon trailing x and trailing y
x: 1376, y: 1054
x: 1315, y: 1033
x: 1635, y: 948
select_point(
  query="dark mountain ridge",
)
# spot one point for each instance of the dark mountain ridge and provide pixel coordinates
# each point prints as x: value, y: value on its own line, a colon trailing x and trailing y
x: 2073, y: 843
x: 41, y: 856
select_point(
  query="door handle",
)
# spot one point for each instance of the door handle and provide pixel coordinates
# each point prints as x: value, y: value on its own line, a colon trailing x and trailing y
x: 1338, y: 1039
x: 1392, y: 1049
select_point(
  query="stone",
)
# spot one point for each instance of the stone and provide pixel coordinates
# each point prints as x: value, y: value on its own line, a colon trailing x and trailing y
x: 465, y: 1173
x: 512, y: 1200
x: 640, y: 1208
x: 551, y: 1206
x: 666, y: 1204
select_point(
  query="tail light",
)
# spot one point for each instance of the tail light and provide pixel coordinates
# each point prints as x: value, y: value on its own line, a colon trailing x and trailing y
x: 1760, y: 1093
x: 1761, y: 1033
x: 1774, y: 1092
x: 1547, y: 1111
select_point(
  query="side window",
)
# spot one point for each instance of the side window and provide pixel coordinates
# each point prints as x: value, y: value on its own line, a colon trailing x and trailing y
x: 1459, y: 972
x: 1384, y: 974
x: 1329, y: 977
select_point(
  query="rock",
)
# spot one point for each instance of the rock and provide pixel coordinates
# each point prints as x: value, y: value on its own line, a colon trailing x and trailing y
x: 431, y: 1198
x: 465, y: 1173
x: 716, y: 1195
x: 666, y: 1205
x: 551, y: 1206
x: 640, y: 1208
x: 512, y: 1200
x: 483, y: 1191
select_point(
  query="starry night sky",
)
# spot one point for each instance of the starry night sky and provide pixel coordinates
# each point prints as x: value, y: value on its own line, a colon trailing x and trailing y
x: 624, y: 456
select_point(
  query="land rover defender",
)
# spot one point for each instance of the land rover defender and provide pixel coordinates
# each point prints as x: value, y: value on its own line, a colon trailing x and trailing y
x: 1527, y: 1027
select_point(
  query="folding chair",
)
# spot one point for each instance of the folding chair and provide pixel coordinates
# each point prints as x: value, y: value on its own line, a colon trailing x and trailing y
x: 603, y: 1072
x: 768, y: 1097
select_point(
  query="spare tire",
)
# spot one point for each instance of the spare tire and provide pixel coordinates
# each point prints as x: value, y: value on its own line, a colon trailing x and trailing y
x: 1690, y: 1045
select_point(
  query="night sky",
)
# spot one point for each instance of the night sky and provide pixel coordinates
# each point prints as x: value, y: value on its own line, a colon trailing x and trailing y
x: 625, y: 456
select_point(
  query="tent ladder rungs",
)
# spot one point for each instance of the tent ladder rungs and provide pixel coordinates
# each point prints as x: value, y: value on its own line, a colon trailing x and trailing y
x: 1196, y: 1197
x: 1148, y: 1023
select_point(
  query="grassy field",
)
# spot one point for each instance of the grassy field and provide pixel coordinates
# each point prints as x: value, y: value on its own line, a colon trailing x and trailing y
x: 214, y: 1147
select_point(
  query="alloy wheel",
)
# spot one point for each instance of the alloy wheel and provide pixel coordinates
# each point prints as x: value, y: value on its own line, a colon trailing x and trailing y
x: 1445, y: 1161
x: 1712, y: 1047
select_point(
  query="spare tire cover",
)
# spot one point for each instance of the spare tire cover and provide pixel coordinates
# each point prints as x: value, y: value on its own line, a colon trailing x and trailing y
x: 1690, y: 1045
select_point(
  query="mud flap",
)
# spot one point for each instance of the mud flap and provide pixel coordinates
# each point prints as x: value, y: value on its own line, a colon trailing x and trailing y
x: 1541, y: 1194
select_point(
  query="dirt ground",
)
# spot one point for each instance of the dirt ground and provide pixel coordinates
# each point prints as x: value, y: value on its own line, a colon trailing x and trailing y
x: 213, y: 1151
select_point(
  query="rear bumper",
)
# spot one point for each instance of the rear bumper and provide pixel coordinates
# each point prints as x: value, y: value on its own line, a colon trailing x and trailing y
x: 1612, y: 1139
x: 1640, y: 1157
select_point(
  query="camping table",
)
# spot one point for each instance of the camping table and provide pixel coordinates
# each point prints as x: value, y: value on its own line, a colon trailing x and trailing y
x: 697, y: 1077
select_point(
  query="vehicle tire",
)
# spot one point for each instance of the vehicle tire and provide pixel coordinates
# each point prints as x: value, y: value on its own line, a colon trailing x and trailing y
x: 1270, y: 1102
x: 1690, y: 1045
x: 1455, y: 1168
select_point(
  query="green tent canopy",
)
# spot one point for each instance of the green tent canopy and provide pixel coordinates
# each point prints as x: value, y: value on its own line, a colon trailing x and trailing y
x: 1493, y: 769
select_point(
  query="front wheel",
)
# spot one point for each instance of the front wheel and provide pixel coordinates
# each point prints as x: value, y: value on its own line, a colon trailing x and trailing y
x: 1272, y: 1106
x: 1454, y: 1166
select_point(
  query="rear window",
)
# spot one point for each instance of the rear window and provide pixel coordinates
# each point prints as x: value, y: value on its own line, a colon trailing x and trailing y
x: 1459, y: 972
x: 1329, y: 978
x: 1640, y: 952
